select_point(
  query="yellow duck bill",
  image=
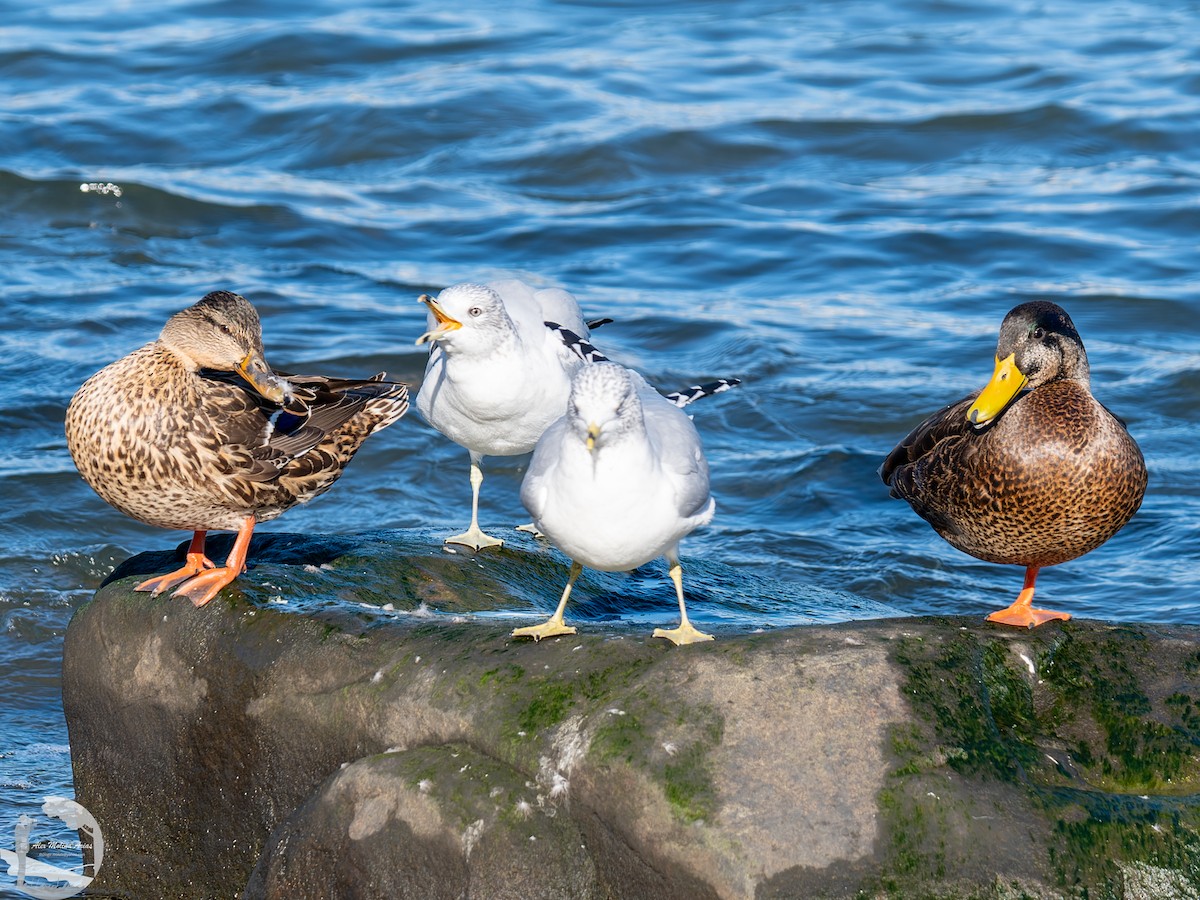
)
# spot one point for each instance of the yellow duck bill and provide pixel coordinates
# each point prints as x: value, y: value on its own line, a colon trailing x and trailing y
x: 1007, y: 381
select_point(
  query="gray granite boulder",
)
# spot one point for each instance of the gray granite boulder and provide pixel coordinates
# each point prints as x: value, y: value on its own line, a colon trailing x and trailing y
x: 441, y: 821
x: 385, y: 737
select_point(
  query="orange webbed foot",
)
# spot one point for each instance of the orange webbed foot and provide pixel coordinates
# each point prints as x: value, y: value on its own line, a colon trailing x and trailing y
x: 1026, y: 616
x: 197, y: 562
x: 202, y: 588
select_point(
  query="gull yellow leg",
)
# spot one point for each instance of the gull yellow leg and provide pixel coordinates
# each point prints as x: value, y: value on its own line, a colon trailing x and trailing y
x: 686, y: 633
x: 1021, y: 613
x: 554, y: 625
x: 473, y: 537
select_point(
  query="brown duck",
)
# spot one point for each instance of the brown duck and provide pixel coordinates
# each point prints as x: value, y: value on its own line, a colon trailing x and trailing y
x: 1032, y: 470
x: 194, y: 431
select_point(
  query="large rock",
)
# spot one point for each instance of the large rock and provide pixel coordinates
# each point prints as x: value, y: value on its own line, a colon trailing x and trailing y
x: 338, y: 748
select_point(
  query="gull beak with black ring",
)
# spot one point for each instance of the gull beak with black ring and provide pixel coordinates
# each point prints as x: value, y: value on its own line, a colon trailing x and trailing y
x: 1007, y: 381
x: 445, y: 324
x: 593, y: 433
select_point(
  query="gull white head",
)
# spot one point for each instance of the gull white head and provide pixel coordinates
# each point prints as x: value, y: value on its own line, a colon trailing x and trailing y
x: 604, y: 405
x: 468, y: 318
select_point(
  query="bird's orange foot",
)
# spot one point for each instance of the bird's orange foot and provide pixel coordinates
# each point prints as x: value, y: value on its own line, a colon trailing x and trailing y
x: 1025, y: 616
x: 196, y: 563
x: 207, y: 585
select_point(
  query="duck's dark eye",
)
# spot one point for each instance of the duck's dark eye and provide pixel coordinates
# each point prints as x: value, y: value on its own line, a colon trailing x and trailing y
x: 475, y: 311
x: 1039, y: 333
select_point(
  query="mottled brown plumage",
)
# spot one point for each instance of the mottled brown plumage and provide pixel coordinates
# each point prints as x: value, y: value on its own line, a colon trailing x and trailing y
x: 195, y: 432
x: 1031, y: 471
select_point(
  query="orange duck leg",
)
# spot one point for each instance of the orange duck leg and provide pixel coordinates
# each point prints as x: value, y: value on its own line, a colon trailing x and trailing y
x: 1021, y: 613
x: 207, y: 585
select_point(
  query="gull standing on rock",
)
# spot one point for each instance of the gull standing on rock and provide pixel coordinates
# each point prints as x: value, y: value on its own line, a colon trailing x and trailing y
x: 618, y: 481
x: 195, y: 432
x: 497, y: 375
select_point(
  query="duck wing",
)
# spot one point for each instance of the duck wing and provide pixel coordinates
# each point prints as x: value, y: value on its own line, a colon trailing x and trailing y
x: 275, y: 436
x: 947, y: 424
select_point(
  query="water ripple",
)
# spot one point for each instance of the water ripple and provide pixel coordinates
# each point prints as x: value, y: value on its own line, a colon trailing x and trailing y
x: 835, y: 202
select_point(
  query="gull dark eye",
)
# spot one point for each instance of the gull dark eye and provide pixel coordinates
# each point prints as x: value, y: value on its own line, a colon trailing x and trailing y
x: 475, y: 311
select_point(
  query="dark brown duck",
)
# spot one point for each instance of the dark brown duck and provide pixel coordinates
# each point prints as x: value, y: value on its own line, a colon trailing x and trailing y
x: 1031, y: 471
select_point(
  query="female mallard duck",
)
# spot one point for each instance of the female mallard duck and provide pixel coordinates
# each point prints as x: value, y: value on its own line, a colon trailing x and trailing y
x: 1031, y: 471
x: 194, y: 431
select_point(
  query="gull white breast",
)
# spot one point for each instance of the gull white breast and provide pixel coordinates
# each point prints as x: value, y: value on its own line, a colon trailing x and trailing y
x: 497, y: 376
x: 617, y: 481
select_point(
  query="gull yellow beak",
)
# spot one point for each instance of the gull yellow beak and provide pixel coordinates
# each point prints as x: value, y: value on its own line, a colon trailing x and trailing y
x: 1006, y: 383
x: 592, y: 434
x: 254, y: 369
x: 445, y: 324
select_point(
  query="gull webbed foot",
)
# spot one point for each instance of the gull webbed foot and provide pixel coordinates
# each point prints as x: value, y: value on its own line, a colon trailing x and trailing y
x: 474, y: 538
x: 686, y: 633
x: 550, y: 628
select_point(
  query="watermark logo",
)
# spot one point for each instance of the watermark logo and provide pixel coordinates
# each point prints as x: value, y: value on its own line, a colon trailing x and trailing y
x: 45, y: 868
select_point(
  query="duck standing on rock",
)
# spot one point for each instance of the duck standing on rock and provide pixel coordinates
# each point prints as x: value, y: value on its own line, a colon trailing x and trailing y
x: 1032, y: 470
x: 195, y: 432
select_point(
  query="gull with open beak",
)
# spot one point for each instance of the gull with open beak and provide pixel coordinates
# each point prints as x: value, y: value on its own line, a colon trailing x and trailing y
x: 618, y: 481
x: 1033, y: 470
x: 194, y: 431
x: 497, y: 374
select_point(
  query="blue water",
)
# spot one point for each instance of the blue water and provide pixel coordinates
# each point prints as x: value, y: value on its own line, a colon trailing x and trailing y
x: 835, y: 201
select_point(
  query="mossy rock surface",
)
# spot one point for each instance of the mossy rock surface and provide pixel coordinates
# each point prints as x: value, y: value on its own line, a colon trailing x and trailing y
x: 1087, y: 727
x: 323, y: 748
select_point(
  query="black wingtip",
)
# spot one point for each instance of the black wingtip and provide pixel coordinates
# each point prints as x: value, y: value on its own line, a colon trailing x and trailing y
x: 581, y: 347
x: 698, y: 391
